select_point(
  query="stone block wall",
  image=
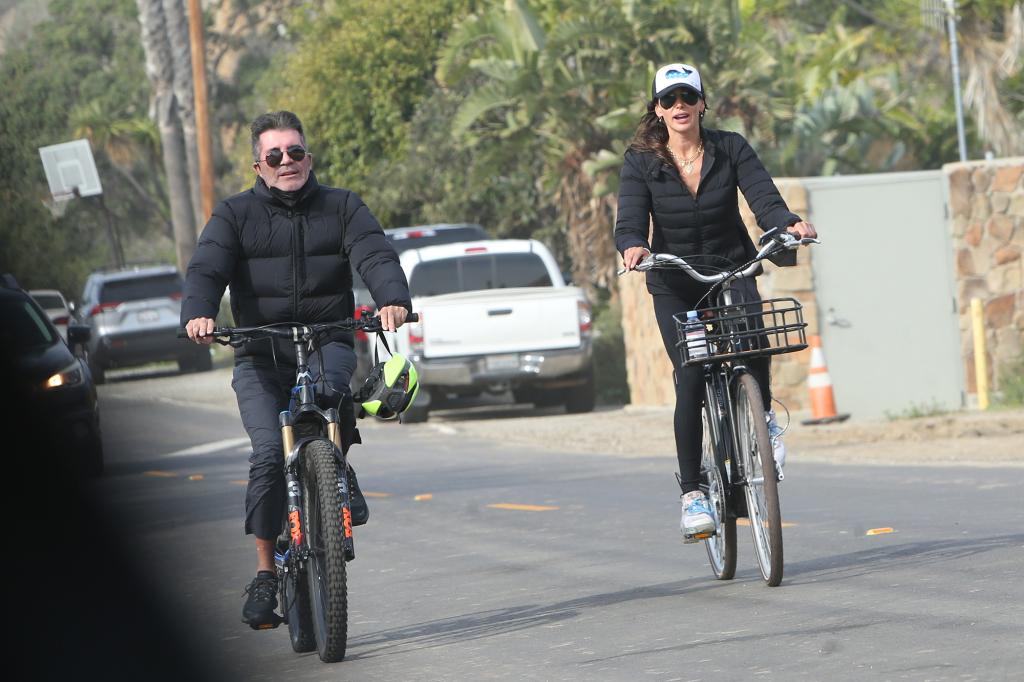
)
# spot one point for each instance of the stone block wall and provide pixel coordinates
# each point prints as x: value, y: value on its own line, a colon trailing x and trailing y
x: 986, y: 205
x: 647, y: 365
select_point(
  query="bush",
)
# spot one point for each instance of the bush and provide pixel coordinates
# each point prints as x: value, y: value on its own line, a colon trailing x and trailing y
x: 609, y: 355
x: 1011, y: 383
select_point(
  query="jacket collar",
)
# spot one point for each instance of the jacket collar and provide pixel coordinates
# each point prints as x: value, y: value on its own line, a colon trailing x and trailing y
x: 294, y: 199
x: 709, y: 137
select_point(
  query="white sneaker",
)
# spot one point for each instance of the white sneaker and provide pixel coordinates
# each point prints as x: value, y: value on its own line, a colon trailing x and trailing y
x: 778, y: 447
x: 697, y: 522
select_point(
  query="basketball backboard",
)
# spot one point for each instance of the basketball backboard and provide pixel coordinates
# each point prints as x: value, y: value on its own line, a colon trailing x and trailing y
x: 69, y: 166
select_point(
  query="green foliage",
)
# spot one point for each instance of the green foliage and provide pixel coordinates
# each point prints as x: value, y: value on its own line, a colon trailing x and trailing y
x: 1011, y: 383
x: 609, y: 355
x: 88, y: 52
x: 357, y: 81
x: 917, y: 411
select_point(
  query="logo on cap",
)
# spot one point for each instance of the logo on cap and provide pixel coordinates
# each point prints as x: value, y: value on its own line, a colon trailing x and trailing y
x: 673, y: 74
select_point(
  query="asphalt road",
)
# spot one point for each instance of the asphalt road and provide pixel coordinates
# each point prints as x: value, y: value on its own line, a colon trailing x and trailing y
x: 495, y: 560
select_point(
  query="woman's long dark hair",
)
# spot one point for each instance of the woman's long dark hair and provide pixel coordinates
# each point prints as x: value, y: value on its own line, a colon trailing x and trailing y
x: 652, y: 135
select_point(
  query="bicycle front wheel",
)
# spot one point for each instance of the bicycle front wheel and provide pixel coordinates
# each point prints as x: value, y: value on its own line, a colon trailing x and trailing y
x: 722, y: 545
x: 760, y: 478
x: 325, y: 532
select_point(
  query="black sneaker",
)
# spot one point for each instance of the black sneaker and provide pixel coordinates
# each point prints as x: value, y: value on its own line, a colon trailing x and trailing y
x: 357, y: 503
x: 258, y: 611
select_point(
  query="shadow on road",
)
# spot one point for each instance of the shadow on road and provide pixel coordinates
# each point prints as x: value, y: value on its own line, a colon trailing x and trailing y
x: 909, y: 555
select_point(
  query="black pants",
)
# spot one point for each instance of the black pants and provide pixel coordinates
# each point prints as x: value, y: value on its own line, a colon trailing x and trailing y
x: 263, y: 392
x: 690, y: 380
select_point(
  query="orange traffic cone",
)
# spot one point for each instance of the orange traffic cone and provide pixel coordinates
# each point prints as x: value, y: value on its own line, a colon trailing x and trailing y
x: 823, y: 403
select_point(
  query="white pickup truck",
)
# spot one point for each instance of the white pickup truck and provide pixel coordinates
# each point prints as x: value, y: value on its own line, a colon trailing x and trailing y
x: 496, y: 316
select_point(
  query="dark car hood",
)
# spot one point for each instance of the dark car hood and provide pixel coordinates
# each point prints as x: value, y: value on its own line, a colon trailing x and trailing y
x: 37, y: 365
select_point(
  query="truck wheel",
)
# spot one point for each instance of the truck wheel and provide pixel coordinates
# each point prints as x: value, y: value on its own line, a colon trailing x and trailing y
x: 415, y: 414
x: 582, y: 398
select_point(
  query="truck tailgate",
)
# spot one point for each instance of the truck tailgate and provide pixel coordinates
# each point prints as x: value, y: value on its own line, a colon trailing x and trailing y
x: 500, y: 321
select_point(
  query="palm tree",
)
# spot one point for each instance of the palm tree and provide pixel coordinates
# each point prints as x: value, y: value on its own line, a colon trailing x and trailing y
x: 160, y: 69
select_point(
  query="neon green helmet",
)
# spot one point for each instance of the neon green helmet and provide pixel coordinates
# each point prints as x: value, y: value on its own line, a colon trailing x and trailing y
x: 390, y: 388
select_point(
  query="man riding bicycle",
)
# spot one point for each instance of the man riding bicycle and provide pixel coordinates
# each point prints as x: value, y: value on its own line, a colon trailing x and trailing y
x: 286, y: 248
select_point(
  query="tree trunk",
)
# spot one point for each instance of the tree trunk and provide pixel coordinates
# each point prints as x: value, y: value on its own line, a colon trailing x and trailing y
x: 184, y: 92
x: 160, y: 70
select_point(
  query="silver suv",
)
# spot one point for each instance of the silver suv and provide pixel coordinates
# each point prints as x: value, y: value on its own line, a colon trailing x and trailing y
x: 134, y: 315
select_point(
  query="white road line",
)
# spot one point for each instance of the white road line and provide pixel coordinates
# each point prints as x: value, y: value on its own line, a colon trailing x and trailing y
x: 207, y: 448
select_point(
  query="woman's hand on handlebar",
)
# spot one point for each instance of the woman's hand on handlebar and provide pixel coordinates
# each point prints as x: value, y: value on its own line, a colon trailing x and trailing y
x: 802, y: 230
x: 200, y: 330
x: 392, y: 317
x: 633, y: 255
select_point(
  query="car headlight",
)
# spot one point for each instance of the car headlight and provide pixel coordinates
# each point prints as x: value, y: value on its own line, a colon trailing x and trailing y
x: 69, y: 376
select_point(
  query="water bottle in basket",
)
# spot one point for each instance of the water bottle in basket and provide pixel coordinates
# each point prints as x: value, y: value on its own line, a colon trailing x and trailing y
x: 696, y: 340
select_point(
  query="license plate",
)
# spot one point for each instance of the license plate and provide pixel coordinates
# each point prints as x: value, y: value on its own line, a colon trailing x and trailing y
x: 147, y: 316
x: 502, y: 362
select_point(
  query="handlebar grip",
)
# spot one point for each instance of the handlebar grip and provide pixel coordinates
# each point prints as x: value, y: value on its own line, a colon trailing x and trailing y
x: 182, y: 334
x: 413, y: 317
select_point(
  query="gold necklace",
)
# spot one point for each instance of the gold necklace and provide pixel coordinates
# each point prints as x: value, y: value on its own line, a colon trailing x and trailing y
x: 686, y: 164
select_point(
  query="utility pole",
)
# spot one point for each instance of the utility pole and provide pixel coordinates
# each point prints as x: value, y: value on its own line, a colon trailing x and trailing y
x: 206, y: 188
x: 955, y: 63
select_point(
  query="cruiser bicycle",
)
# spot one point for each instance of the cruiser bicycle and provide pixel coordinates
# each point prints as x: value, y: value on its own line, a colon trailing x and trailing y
x: 313, y: 552
x: 737, y: 463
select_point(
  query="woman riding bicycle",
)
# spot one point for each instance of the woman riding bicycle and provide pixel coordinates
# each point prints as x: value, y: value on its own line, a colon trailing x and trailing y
x: 678, y: 184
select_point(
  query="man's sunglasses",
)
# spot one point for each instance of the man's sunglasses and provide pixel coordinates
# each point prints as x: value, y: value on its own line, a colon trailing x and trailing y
x: 668, y: 100
x: 275, y: 156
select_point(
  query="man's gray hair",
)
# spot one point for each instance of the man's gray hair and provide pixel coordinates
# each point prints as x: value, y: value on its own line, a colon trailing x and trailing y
x: 275, y: 120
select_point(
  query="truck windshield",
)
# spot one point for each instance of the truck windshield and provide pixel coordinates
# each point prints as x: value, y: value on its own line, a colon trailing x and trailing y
x: 472, y: 273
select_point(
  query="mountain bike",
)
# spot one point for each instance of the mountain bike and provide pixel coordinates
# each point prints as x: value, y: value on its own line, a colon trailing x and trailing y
x: 313, y: 551
x: 737, y: 463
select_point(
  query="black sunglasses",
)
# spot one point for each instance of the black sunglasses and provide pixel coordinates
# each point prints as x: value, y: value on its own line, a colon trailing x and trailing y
x: 275, y: 156
x: 668, y: 100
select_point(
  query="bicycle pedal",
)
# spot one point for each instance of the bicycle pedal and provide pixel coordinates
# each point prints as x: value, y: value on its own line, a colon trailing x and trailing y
x: 697, y: 537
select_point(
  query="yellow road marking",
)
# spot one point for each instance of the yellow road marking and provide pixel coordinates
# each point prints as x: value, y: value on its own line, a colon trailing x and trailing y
x: 195, y: 477
x: 880, y: 531
x: 240, y: 482
x: 521, y: 507
x: 746, y: 522
x: 366, y: 494
x: 424, y: 497
x: 159, y: 474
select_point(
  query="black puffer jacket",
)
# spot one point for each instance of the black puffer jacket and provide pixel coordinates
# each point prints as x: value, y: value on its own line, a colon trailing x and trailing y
x: 287, y: 259
x: 707, y: 224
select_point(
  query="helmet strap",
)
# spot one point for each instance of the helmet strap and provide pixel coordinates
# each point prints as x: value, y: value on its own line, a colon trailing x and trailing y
x: 382, y: 339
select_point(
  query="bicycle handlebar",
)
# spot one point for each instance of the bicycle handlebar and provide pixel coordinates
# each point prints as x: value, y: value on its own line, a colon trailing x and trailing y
x: 293, y: 331
x: 774, y: 241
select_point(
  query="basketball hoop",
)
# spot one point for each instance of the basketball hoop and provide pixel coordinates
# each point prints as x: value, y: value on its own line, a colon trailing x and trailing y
x: 58, y: 205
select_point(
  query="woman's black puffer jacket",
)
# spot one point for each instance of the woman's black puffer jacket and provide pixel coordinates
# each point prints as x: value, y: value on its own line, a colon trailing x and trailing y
x: 288, y: 258
x: 707, y: 224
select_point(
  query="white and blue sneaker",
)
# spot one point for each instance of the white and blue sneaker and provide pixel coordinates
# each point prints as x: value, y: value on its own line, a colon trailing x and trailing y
x: 697, y: 522
x: 778, y: 447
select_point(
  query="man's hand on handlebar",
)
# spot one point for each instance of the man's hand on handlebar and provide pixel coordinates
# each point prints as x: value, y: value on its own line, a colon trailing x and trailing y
x: 200, y: 330
x: 633, y: 255
x: 802, y: 230
x: 392, y: 317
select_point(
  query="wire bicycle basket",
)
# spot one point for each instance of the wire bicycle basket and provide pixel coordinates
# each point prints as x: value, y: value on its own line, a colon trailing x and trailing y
x: 744, y: 329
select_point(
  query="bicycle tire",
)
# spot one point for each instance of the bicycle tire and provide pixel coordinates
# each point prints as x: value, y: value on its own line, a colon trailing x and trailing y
x: 326, y: 569
x: 297, y: 607
x: 721, y: 546
x: 760, y: 479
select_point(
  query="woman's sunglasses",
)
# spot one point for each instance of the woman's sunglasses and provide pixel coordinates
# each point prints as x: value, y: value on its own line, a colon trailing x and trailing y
x: 668, y: 100
x: 275, y: 156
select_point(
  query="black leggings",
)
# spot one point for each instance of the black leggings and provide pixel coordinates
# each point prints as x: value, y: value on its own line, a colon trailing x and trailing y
x: 690, y: 382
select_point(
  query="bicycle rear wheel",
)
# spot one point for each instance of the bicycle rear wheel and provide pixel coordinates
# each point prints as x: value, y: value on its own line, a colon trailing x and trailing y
x: 326, y: 569
x: 721, y: 546
x: 296, y: 605
x: 760, y: 478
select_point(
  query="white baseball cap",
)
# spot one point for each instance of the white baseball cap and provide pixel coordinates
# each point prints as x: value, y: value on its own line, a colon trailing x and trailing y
x: 672, y: 76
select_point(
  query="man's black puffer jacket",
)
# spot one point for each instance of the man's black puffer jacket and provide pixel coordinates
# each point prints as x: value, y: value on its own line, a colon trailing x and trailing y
x: 707, y: 224
x: 287, y: 259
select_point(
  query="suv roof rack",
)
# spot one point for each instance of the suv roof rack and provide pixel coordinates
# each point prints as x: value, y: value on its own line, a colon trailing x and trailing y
x: 135, y: 265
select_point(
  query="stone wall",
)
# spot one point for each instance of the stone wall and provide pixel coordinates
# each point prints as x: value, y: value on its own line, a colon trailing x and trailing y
x: 986, y: 202
x: 647, y: 365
